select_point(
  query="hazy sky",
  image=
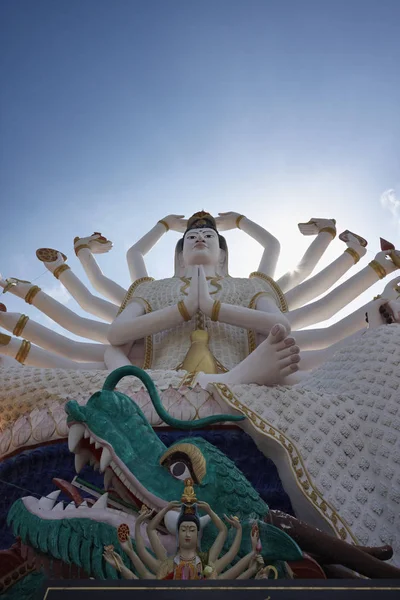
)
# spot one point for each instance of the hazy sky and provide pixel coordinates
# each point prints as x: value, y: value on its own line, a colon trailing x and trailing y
x: 115, y: 113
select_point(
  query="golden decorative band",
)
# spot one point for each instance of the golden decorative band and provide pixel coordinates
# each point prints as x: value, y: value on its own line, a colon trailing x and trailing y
x: 80, y: 248
x: 378, y: 268
x: 215, y: 310
x: 59, y: 270
x: 4, y: 339
x: 23, y: 351
x: 164, y: 223
x: 330, y: 230
x: 283, y: 305
x: 183, y: 310
x: 22, y: 321
x: 238, y: 221
x: 377, y: 297
x: 32, y: 293
x: 354, y: 254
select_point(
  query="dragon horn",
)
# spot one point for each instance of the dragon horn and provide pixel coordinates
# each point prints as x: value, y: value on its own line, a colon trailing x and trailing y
x: 118, y: 374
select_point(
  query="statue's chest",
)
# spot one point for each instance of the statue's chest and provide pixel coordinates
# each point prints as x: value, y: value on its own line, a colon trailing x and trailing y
x: 167, y: 292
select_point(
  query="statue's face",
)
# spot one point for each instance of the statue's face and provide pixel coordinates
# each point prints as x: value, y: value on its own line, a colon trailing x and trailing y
x: 201, y: 247
x: 188, y: 535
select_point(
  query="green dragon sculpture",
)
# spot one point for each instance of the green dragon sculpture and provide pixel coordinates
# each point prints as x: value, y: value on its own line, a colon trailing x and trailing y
x: 111, y: 430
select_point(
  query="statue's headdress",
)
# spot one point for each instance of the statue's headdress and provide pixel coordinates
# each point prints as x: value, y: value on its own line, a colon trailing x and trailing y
x: 201, y: 219
x: 189, y: 514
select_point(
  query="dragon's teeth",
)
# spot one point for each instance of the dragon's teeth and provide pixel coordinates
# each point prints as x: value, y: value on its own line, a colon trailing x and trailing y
x: 70, y: 506
x: 83, y: 504
x: 91, y: 440
x: 59, y: 506
x: 81, y: 459
x: 101, y: 502
x: 47, y: 502
x: 97, y: 445
x: 86, y: 434
x: 105, y: 459
x: 108, y: 475
x: 75, y: 435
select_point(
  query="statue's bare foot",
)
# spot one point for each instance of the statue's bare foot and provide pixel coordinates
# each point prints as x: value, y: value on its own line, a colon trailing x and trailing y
x: 273, y: 360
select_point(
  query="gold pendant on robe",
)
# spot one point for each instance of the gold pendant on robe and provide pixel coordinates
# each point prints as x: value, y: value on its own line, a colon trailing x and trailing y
x: 199, y: 357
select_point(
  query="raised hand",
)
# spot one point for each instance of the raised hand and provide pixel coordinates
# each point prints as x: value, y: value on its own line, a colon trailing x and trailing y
x: 176, y: 223
x: 234, y: 521
x: 174, y: 504
x: 144, y: 514
x: 205, y: 301
x: 113, y: 558
x: 98, y: 244
x: 204, y: 506
x: 228, y: 220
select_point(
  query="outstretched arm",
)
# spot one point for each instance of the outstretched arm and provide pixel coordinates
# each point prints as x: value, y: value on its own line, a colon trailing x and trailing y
x: 271, y: 245
x: 156, y: 545
x: 32, y: 294
x: 330, y: 304
x: 135, y: 560
x: 132, y: 324
x: 260, y: 321
x: 320, y: 283
x: 84, y: 250
x: 326, y: 231
x: 136, y: 253
x: 86, y: 300
x: 115, y: 561
x: 227, y: 558
x: 219, y: 542
x: 152, y: 563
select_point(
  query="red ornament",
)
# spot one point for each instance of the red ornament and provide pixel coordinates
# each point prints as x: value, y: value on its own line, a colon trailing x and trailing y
x: 385, y: 245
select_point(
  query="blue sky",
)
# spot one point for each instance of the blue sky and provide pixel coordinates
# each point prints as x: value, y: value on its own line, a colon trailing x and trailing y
x: 116, y: 113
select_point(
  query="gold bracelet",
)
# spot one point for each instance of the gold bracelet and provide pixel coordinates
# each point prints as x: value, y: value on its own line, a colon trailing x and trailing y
x: 378, y: 268
x: 215, y: 310
x: 32, y: 293
x: 19, y: 327
x: 377, y: 297
x: 80, y: 248
x: 57, y: 272
x: 183, y: 310
x: 4, y: 339
x: 23, y: 351
x: 164, y: 223
x: 240, y: 217
x: 330, y: 230
x: 354, y: 254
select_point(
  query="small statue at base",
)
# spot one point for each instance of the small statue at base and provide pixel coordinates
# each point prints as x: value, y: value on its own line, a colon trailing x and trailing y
x: 189, y: 562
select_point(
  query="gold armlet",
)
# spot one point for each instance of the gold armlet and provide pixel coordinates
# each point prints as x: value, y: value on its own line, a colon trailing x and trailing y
x: 164, y: 223
x: 354, y: 254
x: 238, y: 221
x: 80, y: 248
x: 183, y: 310
x: 57, y: 272
x: 22, y: 321
x: 215, y: 310
x: 23, y: 351
x: 330, y: 230
x: 32, y: 293
x: 378, y: 268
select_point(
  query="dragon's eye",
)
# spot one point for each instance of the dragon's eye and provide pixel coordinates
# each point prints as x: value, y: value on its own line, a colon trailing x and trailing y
x: 179, y: 470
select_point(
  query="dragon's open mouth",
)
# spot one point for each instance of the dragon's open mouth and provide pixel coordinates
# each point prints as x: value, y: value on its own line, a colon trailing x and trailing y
x: 89, y: 448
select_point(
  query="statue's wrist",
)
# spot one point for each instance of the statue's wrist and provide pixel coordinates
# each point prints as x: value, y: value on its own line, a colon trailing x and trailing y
x: 238, y: 220
x: 163, y: 222
x: 184, y: 311
x: 216, y: 307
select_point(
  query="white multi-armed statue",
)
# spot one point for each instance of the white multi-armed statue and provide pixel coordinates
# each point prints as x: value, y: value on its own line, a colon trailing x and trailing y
x: 323, y: 403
